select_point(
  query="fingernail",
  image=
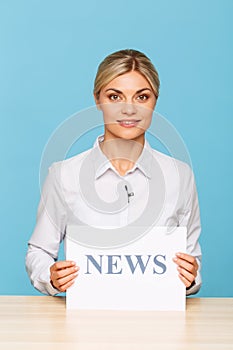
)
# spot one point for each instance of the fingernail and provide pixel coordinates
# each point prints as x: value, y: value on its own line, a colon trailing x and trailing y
x: 175, y: 259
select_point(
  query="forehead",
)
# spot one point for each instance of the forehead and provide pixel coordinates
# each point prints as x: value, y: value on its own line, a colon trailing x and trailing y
x: 129, y: 81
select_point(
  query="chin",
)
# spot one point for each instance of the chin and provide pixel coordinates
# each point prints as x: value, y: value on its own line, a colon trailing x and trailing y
x: 127, y: 134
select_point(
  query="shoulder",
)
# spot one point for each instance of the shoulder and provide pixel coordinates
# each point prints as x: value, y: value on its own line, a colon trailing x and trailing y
x: 72, y: 162
x: 178, y: 175
x: 65, y: 172
x: 168, y: 162
x: 174, y: 170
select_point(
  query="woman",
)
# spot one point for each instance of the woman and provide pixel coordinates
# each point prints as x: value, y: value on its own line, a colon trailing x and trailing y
x: 126, y: 90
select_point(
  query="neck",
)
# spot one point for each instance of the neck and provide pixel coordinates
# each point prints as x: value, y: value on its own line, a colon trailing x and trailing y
x: 122, y: 153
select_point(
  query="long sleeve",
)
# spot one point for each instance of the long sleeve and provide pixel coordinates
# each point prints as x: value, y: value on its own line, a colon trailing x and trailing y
x: 191, y: 219
x: 43, y: 246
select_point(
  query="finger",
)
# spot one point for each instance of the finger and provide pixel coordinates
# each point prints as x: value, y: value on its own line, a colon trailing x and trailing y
x: 62, y: 264
x: 186, y: 274
x: 185, y: 281
x: 186, y: 265
x: 190, y: 264
x: 191, y: 259
x: 63, y: 281
x: 57, y: 274
x: 64, y: 287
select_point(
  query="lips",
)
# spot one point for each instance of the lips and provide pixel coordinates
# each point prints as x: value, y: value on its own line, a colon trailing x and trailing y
x: 128, y: 123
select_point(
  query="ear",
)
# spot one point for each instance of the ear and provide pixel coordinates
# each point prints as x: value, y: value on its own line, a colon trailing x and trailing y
x: 97, y: 102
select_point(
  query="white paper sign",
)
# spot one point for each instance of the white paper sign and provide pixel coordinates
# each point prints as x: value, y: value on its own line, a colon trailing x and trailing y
x: 138, y: 276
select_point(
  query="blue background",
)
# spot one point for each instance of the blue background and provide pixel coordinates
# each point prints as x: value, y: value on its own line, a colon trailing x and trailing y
x: 49, y: 54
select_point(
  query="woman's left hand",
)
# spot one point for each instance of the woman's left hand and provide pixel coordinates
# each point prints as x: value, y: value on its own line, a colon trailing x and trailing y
x: 187, y: 267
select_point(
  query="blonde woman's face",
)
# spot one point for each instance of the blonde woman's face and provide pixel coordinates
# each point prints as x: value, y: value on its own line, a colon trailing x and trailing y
x: 127, y: 103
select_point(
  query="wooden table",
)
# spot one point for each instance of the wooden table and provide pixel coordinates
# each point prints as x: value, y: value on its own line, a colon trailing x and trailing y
x: 41, y: 322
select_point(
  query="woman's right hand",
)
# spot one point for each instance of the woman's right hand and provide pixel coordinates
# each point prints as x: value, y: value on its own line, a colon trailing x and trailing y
x: 63, y: 274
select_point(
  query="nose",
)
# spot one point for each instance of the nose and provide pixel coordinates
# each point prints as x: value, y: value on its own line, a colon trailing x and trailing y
x: 128, y: 108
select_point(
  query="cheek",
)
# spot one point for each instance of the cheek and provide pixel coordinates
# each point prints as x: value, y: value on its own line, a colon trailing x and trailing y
x: 147, y: 118
x: 111, y: 112
x: 145, y: 112
x: 149, y: 115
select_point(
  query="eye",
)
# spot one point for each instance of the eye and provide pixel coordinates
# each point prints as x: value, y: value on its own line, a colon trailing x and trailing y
x: 114, y: 97
x: 142, y: 97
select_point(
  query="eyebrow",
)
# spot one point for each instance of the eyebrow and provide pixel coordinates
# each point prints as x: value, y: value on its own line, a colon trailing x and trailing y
x: 137, y: 92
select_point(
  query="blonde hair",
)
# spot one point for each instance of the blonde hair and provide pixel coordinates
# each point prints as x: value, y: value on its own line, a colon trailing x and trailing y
x: 122, y: 62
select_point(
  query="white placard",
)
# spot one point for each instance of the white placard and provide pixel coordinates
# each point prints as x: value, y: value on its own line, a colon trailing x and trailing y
x: 138, y: 276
